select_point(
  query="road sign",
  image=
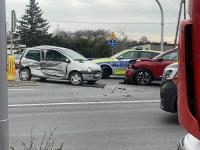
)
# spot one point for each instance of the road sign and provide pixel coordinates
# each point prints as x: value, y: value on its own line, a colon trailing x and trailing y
x: 112, y: 36
x: 112, y: 43
x: 13, y: 21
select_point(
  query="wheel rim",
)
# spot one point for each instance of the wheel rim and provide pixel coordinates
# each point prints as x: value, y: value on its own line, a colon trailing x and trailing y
x: 24, y: 75
x: 143, y: 77
x: 76, y: 79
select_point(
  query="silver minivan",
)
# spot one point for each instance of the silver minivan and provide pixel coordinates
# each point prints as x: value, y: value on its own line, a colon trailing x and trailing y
x: 57, y: 63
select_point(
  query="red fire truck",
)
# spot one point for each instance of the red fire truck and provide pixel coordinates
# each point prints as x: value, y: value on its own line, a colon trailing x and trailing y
x: 189, y: 77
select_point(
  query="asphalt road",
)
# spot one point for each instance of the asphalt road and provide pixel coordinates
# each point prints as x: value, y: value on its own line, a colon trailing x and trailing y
x: 116, y: 117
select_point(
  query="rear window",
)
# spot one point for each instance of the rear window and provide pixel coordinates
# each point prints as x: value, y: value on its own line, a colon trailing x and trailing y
x: 33, y: 55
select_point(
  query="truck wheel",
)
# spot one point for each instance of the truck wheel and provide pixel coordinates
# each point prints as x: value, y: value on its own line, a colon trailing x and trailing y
x: 143, y: 77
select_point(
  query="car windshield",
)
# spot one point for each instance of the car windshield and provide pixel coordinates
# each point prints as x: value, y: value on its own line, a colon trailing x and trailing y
x: 163, y: 54
x: 74, y: 55
x: 118, y: 54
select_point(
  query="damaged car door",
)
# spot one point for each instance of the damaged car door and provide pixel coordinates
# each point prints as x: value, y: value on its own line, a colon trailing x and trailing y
x: 55, y: 64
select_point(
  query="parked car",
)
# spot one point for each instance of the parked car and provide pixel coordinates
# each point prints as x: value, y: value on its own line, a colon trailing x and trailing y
x: 143, y: 71
x: 168, y: 89
x: 188, y: 142
x: 16, y: 62
x: 118, y: 63
x: 57, y: 63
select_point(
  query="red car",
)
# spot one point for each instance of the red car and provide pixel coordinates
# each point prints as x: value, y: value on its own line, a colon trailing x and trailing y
x: 143, y: 71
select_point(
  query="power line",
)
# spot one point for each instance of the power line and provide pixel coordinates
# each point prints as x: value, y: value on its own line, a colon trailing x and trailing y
x: 111, y: 23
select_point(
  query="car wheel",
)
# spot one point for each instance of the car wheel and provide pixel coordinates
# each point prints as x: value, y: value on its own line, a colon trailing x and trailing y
x: 91, y: 82
x: 25, y: 74
x: 106, y: 72
x: 143, y: 77
x: 76, y: 78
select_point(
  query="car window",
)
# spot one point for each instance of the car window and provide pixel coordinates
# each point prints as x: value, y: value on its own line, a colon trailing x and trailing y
x: 147, y: 54
x: 53, y: 55
x: 129, y: 55
x: 153, y: 54
x: 33, y: 55
x: 170, y: 56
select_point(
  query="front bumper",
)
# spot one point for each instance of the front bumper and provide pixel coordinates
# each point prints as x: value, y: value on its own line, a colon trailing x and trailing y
x: 168, y: 96
x: 93, y: 76
x: 188, y: 142
x: 180, y: 145
x: 129, y: 75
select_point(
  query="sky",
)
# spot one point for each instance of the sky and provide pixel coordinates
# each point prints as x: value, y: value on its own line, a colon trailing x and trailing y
x: 134, y: 18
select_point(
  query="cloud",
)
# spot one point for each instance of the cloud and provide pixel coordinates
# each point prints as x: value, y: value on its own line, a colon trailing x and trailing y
x: 124, y: 11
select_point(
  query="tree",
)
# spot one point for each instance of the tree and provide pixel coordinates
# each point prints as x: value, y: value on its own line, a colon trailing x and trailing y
x: 143, y: 40
x: 33, y: 28
x: 91, y: 44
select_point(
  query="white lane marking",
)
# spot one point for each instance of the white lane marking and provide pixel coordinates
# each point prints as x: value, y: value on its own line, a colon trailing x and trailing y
x: 3, y: 120
x: 83, y: 103
x: 22, y: 89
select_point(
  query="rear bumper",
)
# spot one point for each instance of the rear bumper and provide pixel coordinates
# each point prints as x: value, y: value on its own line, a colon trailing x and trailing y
x: 168, y: 96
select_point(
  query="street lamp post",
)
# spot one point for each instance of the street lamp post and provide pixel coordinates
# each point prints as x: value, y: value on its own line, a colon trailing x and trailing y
x: 162, y: 26
x: 4, y: 144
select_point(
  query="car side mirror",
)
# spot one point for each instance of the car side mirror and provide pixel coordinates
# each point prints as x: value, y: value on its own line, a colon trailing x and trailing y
x: 67, y: 60
x: 120, y: 57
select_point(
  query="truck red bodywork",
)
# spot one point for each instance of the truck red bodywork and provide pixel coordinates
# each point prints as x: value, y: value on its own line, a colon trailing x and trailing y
x: 189, y: 71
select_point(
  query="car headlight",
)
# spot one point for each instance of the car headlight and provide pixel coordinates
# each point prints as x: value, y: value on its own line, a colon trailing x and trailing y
x: 89, y: 69
x: 169, y: 73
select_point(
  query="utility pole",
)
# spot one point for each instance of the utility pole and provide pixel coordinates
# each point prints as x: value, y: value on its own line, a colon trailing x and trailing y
x: 13, y: 26
x: 4, y: 138
x: 162, y: 26
x: 182, y: 4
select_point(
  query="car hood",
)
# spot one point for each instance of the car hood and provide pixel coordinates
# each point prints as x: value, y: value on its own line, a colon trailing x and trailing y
x: 103, y: 60
x: 84, y: 65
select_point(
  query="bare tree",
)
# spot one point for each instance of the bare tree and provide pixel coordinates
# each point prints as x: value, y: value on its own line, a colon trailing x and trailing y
x: 123, y: 35
x: 143, y: 40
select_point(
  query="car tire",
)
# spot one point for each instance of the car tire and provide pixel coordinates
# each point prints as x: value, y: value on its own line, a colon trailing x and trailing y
x: 143, y: 77
x: 106, y: 72
x: 25, y: 74
x: 76, y: 78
